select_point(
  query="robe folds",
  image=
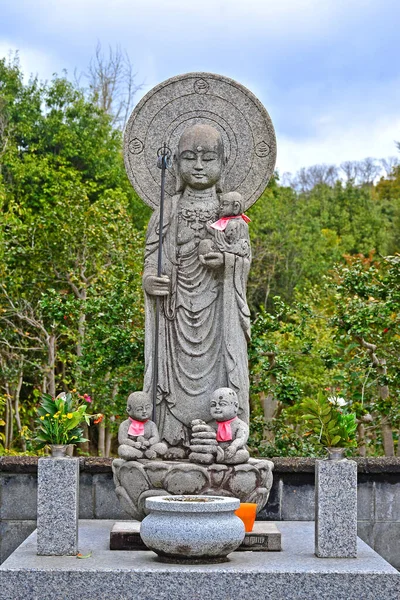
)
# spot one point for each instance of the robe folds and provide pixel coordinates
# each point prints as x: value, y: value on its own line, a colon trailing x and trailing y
x: 204, y: 325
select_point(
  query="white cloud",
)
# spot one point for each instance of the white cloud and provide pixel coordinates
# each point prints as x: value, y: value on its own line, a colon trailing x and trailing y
x: 33, y: 61
x: 335, y: 144
x: 328, y: 81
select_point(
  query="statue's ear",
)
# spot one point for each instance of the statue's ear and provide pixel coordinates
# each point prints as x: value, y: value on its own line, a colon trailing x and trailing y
x: 221, y: 183
x: 179, y: 182
x: 238, y: 207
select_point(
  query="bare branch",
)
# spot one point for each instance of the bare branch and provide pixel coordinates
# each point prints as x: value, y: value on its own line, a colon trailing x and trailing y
x: 112, y: 84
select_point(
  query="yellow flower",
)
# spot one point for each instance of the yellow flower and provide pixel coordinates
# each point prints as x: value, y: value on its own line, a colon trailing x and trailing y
x: 42, y: 418
x: 69, y: 415
x: 47, y: 414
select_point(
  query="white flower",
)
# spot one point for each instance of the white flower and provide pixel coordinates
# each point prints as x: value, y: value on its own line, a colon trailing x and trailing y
x: 337, y: 401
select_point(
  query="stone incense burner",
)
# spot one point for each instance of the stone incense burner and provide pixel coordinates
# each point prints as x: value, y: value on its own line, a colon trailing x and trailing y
x: 192, y: 529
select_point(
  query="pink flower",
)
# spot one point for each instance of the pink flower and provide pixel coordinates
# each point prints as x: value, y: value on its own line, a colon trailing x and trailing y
x: 87, y: 398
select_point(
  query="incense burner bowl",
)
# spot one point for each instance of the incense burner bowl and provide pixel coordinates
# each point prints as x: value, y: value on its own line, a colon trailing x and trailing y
x: 192, y: 529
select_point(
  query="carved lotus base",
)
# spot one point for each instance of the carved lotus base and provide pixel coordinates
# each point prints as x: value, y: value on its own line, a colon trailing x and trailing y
x: 137, y: 480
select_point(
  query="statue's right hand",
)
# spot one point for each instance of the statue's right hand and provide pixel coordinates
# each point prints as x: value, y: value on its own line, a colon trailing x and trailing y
x: 156, y: 286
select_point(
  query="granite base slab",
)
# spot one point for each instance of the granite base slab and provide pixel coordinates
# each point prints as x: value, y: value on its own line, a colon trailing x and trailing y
x: 294, y: 573
x: 265, y: 537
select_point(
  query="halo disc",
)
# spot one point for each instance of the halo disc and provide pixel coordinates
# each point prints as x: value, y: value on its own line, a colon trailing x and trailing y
x: 180, y: 102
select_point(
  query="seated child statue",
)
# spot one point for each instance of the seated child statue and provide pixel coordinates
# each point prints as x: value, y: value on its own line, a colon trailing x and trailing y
x: 232, y: 432
x: 223, y: 440
x: 230, y: 232
x: 138, y: 436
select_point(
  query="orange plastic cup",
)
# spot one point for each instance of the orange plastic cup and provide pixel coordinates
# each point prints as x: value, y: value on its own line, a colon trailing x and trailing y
x: 247, y: 512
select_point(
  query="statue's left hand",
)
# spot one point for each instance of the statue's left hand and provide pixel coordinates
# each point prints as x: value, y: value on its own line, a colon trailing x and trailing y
x: 230, y: 452
x: 212, y: 260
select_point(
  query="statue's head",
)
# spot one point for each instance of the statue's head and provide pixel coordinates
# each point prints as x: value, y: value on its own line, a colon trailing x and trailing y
x: 230, y: 204
x: 139, y: 406
x: 224, y: 404
x: 200, y: 158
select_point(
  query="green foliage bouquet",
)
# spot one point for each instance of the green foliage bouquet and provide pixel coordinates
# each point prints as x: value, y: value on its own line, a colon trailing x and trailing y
x: 330, y: 425
x: 60, y: 418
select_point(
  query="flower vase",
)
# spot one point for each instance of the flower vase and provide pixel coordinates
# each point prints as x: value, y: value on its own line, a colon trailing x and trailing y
x: 336, y: 453
x: 59, y: 450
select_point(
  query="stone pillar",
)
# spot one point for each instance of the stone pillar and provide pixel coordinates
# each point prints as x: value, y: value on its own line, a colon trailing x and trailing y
x: 336, y: 508
x: 58, y: 494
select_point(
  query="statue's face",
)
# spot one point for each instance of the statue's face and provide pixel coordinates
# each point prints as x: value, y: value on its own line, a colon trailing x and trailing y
x: 230, y: 205
x: 139, y: 406
x: 200, y: 157
x: 224, y: 405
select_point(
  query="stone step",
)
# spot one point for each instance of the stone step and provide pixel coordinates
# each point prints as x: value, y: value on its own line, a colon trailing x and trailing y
x: 265, y: 537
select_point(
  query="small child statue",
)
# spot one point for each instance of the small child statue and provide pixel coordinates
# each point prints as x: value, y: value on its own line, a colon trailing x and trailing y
x: 230, y: 232
x: 224, y: 440
x: 232, y: 432
x: 138, y: 436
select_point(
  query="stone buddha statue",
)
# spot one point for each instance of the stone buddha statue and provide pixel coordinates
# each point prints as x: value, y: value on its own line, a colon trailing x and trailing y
x: 204, y: 317
x: 223, y: 147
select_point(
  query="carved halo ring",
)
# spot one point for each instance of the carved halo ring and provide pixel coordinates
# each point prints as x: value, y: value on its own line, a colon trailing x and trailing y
x: 180, y: 102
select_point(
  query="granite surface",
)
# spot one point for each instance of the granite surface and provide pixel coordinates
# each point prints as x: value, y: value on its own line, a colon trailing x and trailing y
x: 294, y: 573
x: 58, y: 501
x: 335, y: 508
x: 291, y: 494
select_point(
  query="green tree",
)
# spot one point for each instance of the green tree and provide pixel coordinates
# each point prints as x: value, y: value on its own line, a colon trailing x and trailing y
x: 71, y: 231
x: 366, y: 317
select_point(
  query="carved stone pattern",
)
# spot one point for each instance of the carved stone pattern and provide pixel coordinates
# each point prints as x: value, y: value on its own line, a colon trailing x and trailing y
x: 262, y: 149
x: 135, y: 146
x: 137, y: 480
x: 201, y: 86
x: 195, y: 216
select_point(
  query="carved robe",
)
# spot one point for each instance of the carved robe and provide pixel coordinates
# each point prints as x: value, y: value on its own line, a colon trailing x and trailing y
x: 204, y: 321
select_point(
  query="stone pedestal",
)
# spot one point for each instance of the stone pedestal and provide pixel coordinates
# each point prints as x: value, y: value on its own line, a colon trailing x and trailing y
x: 336, y: 508
x: 137, y: 480
x: 57, y: 514
x: 265, y: 537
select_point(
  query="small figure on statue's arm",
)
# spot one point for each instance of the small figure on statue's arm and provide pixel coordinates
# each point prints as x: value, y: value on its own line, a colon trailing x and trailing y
x: 230, y: 232
x: 232, y: 432
x: 138, y: 436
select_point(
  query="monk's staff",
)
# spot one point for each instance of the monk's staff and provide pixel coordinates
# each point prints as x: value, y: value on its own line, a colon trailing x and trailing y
x: 163, y: 162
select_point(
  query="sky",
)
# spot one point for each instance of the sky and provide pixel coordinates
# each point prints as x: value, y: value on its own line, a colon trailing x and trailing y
x: 328, y: 71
